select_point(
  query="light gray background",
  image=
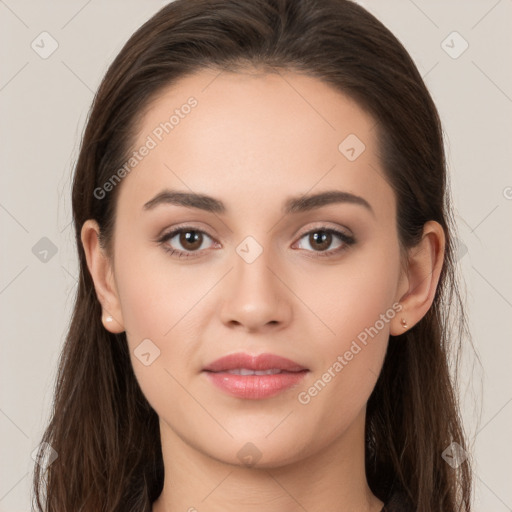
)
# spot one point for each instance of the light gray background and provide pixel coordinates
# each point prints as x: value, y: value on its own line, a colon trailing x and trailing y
x: 44, y: 103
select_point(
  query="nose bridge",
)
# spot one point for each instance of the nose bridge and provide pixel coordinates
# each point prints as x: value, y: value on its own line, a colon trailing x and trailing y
x: 252, y: 276
x: 255, y: 296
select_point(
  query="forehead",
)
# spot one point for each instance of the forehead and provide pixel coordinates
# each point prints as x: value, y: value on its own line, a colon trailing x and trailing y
x: 250, y: 136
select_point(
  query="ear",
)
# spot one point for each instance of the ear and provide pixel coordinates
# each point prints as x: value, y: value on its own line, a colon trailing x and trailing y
x: 101, y: 270
x: 419, y: 281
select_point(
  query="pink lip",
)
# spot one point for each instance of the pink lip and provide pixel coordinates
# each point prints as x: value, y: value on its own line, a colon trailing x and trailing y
x: 259, y: 362
x: 254, y: 387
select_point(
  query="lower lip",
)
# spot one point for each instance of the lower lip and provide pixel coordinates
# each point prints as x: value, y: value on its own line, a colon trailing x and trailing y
x: 255, y: 387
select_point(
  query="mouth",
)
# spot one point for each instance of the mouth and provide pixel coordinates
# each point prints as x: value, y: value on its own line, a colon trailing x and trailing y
x: 254, y: 377
x: 241, y: 361
x: 247, y: 371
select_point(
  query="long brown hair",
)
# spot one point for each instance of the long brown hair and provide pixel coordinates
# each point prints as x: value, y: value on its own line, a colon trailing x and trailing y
x: 103, y: 429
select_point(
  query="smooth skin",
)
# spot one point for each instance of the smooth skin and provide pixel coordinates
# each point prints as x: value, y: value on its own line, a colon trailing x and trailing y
x: 253, y: 141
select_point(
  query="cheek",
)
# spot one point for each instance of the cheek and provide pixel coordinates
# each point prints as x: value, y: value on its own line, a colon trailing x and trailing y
x: 356, y: 306
x: 156, y: 295
x: 160, y: 303
x: 351, y: 297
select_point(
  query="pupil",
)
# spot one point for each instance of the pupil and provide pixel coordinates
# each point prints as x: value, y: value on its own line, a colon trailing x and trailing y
x: 190, y: 238
x: 321, y: 240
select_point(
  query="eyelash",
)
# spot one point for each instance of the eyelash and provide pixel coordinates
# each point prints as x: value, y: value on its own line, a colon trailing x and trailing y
x: 346, y: 239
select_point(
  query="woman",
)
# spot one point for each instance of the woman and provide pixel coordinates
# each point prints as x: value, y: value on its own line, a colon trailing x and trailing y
x: 267, y: 266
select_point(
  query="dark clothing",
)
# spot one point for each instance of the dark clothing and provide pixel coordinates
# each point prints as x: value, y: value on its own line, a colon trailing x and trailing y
x: 397, y: 503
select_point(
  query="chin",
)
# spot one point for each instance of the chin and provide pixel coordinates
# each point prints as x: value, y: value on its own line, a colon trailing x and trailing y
x: 259, y: 452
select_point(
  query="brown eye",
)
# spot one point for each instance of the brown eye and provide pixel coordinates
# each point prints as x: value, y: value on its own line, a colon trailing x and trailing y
x: 321, y: 239
x: 190, y: 240
x: 184, y: 241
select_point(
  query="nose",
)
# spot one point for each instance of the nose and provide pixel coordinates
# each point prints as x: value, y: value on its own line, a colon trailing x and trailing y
x: 255, y: 297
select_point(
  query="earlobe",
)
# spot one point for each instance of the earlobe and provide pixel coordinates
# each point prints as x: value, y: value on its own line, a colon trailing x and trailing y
x: 425, y: 262
x: 100, y: 268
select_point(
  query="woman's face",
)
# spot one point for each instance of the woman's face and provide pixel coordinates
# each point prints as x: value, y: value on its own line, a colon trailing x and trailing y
x: 259, y: 270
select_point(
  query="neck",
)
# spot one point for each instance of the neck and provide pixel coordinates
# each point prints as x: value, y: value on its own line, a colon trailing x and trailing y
x: 333, y: 479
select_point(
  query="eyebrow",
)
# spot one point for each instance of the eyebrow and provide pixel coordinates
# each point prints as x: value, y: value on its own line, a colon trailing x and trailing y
x: 292, y: 205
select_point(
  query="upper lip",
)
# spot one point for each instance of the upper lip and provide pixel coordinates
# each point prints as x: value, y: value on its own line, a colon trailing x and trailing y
x: 258, y: 362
